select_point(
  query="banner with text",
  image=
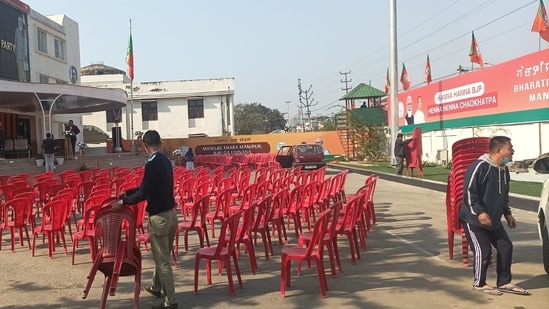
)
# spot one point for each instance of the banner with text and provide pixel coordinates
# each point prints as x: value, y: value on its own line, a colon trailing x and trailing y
x: 517, y: 85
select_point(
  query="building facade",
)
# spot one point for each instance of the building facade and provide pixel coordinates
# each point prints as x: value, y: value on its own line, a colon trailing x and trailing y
x: 38, y: 49
x: 176, y: 109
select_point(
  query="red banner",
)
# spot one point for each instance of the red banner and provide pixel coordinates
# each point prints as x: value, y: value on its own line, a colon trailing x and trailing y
x: 517, y: 85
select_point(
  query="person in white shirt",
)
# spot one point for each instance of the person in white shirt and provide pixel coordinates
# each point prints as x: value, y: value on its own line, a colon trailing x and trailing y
x: 320, y: 142
x: 419, y: 116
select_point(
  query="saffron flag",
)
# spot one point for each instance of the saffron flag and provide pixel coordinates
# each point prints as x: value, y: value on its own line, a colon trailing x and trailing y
x: 129, y: 56
x: 405, y: 78
x: 428, y: 71
x: 541, y: 24
x: 387, y: 83
x: 474, y: 52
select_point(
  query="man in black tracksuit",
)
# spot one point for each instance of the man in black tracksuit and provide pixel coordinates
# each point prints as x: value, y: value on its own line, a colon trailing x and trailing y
x: 485, y: 201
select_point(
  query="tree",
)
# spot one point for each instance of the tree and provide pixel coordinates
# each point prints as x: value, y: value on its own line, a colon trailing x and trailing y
x: 370, y: 140
x: 254, y: 118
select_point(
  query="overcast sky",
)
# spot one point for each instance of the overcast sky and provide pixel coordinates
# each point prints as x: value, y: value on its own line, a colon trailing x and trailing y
x: 267, y: 45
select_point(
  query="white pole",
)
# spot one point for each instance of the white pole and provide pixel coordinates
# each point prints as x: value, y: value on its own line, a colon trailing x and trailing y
x: 394, y: 76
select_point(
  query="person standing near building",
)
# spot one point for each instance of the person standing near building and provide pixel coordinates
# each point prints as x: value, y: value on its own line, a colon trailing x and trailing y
x: 48, y: 145
x: 189, y: 159
x: 2, y: 140
x: 73, y: 131
x: 400, y: 152
x: 485, y: 201
x: 157, y: 189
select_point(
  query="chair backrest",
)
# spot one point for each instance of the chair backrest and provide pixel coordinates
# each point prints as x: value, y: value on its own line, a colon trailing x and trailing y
x: 297, y: 198
x: 200, y: 190
x: 199, y: 210
x: 108, y: 226
x: 85, y: 188
x: 262, y: 189
x: 280, y: 202
x: 54, y: 189
x: 264, y: 212
x: 319, y: 230
x: 54, y: 214
x: 227, y: 238
x: 248, y: 220
x: 94, y: 200
x: 16, y: 211
x: 22, y: 190
x: 248, y: 196
x: 223, y: 202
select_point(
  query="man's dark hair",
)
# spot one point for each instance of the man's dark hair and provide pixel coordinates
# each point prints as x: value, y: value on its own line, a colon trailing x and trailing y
x: 48, y: 135
x: 497, y: 142
x: 151, y: 138
x: 399, y: 135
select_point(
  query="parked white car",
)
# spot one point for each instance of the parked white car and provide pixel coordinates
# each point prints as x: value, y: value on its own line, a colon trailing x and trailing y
x: 542, y: 166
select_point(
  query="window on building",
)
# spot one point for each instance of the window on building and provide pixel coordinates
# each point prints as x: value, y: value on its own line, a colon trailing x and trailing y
x: 42, y: 41
x: 44, y: 79
x: 196, y: 108
x: 59, y: 48
x: 114, y: 115
x: 61, y: 82
x: 149, y: 111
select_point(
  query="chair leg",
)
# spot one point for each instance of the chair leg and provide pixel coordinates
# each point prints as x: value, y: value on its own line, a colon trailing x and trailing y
x: 196, y: 266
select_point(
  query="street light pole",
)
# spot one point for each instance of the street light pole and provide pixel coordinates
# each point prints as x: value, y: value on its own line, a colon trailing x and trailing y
x: 288, y: 102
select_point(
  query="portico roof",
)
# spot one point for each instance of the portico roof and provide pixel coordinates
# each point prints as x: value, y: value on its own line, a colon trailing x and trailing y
x: 25, y: 98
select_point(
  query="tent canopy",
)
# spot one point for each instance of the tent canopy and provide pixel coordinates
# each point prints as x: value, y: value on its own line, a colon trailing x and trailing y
x: 25, y: 98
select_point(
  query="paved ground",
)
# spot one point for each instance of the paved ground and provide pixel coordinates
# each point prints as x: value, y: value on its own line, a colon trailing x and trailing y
x: 406, y: 266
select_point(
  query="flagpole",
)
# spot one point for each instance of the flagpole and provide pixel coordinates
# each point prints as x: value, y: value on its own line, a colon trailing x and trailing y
x: 131, y: 103
x: 394, y: 76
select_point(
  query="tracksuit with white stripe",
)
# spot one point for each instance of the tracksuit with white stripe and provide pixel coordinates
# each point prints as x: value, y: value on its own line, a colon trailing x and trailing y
x: 486, y: 190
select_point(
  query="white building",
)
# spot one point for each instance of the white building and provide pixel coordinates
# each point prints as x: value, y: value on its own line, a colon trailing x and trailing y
x: 37, y: 49
x: 176, y: 109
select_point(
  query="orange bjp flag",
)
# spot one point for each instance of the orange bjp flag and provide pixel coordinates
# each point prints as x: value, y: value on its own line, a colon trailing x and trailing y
x: 428, y: 71
x: 541, y: 24
x: 129, y: 56
x: 405, y: 78
x: 474, y: 52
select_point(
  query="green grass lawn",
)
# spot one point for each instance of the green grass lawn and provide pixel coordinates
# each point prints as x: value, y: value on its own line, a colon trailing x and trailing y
x: 441, y: 174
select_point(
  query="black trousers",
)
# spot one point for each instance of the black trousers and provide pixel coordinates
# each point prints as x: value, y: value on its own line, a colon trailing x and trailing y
x: 73, y: 144
x: 400, y: 165
x: 481, y: 241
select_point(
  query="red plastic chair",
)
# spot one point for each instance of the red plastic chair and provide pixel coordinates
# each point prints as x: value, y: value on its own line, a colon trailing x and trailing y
x: 54, y: 215
x: 33, y: 201
x: 280, y: 203
x: 15, y: 216
x: 264, y: 216
x: 87, y: 231
x: 312, y: 252
x: 347, y: 225
x: 243, y: 235
x: 222, y: 253
x: 221, y: 211
x: 116, y: 255
x: 246, y: 199
x: 197, y: 224
x: 330, y: 239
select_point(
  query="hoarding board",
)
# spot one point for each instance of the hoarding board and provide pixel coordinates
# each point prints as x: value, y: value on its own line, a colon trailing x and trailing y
x: 511, y: 92
x: 14, y: 42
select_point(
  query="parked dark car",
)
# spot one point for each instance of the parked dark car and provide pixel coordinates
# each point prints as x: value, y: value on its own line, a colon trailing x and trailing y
x: 308, y: 156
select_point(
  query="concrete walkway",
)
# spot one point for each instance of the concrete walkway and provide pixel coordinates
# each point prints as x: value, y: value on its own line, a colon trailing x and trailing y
x: 406, y: 266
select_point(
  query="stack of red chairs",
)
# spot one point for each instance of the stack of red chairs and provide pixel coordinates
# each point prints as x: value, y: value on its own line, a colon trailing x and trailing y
x: 464, y: 152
